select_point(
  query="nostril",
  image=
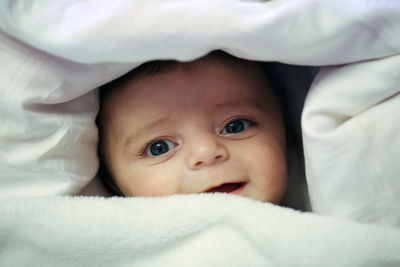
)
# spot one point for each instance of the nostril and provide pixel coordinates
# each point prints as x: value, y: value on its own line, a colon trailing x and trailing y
x: 209, y: 161
x: 199, y: 163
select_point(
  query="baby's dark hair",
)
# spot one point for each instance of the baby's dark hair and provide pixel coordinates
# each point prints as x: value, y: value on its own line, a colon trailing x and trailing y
x: 145, y: 70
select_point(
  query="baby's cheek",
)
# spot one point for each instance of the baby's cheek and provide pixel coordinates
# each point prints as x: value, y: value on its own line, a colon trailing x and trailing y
x: 267, y: 151
x: 273, y: 167
x: 268, y: 168
x: 152, y: 181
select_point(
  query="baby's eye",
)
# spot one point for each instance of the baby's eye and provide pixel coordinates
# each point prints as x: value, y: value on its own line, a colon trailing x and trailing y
x: 236, y: 126
x: 158, y: 147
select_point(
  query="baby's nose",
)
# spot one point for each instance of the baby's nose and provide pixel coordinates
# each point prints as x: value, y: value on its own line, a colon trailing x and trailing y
x: 206, y: 151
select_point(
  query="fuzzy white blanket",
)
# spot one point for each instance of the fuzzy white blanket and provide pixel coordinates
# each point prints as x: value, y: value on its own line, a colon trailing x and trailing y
x: 196, y: 230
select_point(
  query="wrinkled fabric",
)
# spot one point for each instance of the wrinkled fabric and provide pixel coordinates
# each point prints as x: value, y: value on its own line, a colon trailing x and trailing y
x: 351, y: 126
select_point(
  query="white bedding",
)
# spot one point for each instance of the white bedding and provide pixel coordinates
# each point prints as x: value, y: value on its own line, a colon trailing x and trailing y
x: 57, y: 52
x: 185, y: 230
x: 351, y: 126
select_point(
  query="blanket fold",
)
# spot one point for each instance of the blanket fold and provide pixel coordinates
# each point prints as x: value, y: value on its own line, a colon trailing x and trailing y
x: 350, y: 125
x: 308, y: 32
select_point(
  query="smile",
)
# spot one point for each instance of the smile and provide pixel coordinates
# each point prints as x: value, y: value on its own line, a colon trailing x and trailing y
x: 228, y: 188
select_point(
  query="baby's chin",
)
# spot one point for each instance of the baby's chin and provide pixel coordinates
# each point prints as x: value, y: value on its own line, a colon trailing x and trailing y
x: 274, y: 198
x: 245, y: 189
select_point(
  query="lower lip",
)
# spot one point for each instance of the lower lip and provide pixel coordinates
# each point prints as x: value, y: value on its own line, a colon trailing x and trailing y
x: 239, y: 190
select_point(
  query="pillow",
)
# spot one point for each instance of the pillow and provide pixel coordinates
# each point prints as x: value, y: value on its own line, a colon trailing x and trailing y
x: 57, y: 52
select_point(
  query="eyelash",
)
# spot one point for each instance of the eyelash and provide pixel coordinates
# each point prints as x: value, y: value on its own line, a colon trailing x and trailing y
x: 251, y: 122
x: 146, y: 147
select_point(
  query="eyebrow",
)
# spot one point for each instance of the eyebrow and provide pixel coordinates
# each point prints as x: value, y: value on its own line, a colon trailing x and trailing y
x: 147, y: 128
x: 250, y: 103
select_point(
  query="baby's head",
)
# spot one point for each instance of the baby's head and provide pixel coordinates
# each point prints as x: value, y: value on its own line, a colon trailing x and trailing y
x: 210, y: 125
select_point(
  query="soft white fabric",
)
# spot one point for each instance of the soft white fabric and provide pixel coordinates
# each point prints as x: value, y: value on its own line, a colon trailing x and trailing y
x: 48, y: 137
x: 195, y: 230
x: 57, y: 52
x: 351, y: 126
x: 307, y: 32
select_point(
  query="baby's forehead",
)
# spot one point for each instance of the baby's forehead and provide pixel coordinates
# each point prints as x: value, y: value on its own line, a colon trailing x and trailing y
x: 144, y: 81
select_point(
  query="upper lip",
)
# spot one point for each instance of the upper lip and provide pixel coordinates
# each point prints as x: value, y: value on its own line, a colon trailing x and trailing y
x: 220, y: 184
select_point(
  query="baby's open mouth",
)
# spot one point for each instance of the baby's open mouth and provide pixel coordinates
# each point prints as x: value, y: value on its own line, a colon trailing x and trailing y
x: 229, y: 188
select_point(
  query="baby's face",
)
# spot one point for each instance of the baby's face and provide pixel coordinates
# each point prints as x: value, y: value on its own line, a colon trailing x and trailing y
x: 213, y: 127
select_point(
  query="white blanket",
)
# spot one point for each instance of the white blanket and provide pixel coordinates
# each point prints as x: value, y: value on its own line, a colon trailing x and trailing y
x: 351, y: 126
x: 186, y: 230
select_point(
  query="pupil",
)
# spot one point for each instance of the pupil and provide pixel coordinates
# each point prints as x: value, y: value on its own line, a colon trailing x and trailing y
x: 159, y: 148
x: 235, y: 127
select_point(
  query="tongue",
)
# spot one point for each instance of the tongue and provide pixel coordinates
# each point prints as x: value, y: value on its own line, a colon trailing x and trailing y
x: 225, y: 188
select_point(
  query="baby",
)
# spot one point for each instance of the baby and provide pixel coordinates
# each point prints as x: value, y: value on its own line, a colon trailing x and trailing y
x: 210, y: 125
